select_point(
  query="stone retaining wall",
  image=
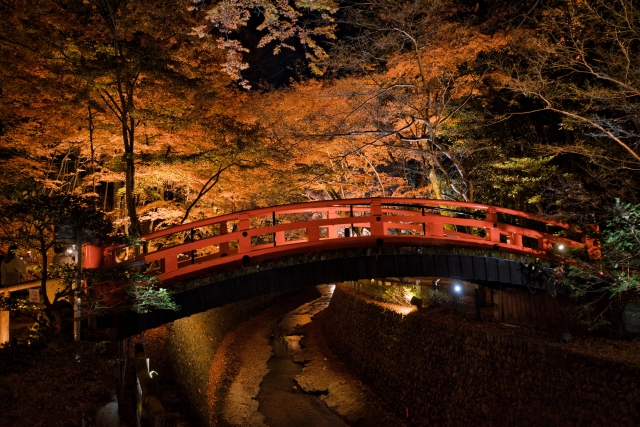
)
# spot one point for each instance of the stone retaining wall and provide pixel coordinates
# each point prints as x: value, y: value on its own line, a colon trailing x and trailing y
x: 444, y: 374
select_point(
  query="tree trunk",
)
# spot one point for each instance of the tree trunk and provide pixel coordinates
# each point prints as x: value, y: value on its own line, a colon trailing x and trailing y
x: 134, y: 227
x: 434, y: 180
x: 51, y: 309
x: 93, y: 150
x: 45, y: 272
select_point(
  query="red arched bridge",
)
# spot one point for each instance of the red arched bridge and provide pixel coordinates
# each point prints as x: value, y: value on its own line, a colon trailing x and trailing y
x: 266, y: 233
x: 196, y: 259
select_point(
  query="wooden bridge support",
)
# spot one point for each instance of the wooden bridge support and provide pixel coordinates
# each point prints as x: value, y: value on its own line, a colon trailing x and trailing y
x: 4, y: 326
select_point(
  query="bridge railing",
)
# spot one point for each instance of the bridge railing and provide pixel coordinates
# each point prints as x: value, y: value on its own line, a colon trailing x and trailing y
x: 269, y: 232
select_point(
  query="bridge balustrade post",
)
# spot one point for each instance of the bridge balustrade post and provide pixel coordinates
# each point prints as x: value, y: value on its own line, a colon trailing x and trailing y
x: 494, y: 232
x: 377, y: 226
x: 332, y: 230
x: 244, y: 241
x: 313, y: 233
x: 193, y: 252
x: 169, y: 263
x: 516, y: 239
x: 435, y: 229
x: 223, y: 247
x: 544, y: 244
x: 492, y: 215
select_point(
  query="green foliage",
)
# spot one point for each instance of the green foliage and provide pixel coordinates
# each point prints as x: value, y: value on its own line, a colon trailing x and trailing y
x: 15, y: 304
x: 432, y: 298
x: 142, y: 291
x: 135, y: 291
x: 395, y: 294
x: 66, y: 272
x: 524, y: 175
x: 31, y: 222
x: 146, y: 295
x: 616, y: 271
x: 117, y: 165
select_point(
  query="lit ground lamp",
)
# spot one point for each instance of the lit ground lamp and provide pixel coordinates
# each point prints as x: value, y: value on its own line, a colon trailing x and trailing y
x: 559, y: 248
x: 457, y: 291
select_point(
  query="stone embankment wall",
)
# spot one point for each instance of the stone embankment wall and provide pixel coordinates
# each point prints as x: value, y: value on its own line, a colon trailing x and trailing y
x: 192, y: 343
x: 439, y: 373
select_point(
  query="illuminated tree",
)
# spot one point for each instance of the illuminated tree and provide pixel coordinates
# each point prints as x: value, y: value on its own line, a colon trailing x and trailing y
x: 391, y: 126
x: 613, y: 273
x: 107, y: 68
x: 585, y: 66
x: 282, y: 22
x: 31, y: 223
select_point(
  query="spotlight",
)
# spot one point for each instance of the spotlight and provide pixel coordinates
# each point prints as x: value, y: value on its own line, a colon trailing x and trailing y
x: 457, y: 288
x: 561, y: 247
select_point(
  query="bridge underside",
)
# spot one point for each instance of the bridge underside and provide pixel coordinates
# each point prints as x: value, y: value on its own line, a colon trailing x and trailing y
x: 203, y: 293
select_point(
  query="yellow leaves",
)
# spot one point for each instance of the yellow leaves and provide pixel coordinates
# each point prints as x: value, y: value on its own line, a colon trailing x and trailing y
x: 326, y: 5
x: 315, y: 69
x: 524, y: 164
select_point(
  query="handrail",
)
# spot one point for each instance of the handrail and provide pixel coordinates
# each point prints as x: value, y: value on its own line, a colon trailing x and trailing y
x: 309, y: 206
x: 324, y: 225
x: 5, y: 290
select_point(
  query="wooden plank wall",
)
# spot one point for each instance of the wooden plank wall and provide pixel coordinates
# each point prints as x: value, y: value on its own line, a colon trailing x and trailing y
x: 535, y: 309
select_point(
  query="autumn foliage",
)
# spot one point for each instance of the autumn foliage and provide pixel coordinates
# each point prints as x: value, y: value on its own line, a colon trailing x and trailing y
x: 162, y: 112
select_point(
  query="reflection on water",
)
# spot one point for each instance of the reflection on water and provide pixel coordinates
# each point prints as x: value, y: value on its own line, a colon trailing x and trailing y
x: 281, y: 402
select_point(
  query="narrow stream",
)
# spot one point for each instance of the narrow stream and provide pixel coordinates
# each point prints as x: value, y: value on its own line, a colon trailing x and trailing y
x: 281, y: 402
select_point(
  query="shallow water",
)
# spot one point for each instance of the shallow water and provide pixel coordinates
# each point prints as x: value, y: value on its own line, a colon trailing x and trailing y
x: 281, y: 402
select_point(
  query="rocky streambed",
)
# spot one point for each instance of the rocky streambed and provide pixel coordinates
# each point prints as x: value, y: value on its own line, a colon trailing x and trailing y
x: 279, y: 373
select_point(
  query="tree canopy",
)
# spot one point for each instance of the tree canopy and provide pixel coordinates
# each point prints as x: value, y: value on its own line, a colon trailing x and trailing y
x: 132, y: 116
x: 152, y: 107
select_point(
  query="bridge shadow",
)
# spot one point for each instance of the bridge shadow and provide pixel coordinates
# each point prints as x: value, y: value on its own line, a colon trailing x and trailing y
x: 202, y: 293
